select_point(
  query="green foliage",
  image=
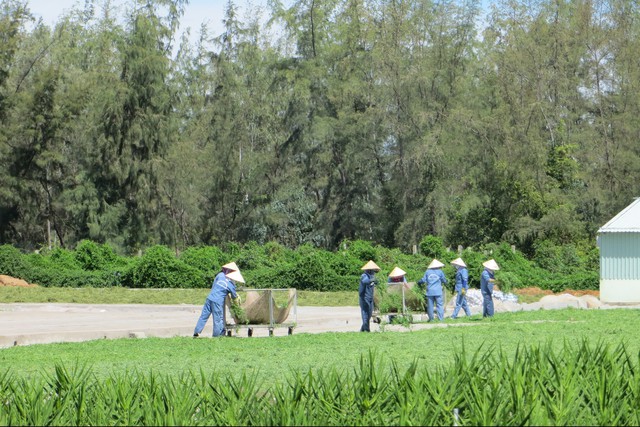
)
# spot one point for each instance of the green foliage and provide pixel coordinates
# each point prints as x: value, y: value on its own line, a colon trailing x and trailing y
x: 159, y: 268
x: 432, y: 247
x: 387, y: 302
x: 507, y: 281
x: 361, y: 250
x: 238, y: 313
x: 53, y: 277
x: 271, y: 265
x: 92, y: 256
x: 206, y: 259
x: 12, y: 261
x: 583, y: 280
x: 587, y: 382
x: 108, y: 137
x: 312, y: 272
x: 60, y: 258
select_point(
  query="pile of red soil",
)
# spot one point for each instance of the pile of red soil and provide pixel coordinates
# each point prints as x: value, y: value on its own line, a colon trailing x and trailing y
x: 535, y: 291
x: 12, y: 281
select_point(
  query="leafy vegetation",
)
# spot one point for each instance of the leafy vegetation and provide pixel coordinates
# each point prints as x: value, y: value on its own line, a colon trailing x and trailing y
x: 305, y: 268
x: 588, y: 378
x: 461, y: 123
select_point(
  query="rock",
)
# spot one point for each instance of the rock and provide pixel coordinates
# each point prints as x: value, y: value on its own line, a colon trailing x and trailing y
x: 552, y: 302
x: 591, y: 301
x: 137, y: 335
x: 532, y: 306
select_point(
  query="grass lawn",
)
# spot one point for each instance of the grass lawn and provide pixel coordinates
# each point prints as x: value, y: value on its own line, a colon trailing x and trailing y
x: 277, y: 358
x: 545, y: 367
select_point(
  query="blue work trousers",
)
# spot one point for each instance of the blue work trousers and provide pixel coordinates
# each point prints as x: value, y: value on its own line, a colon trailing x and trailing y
x: 439, y: 302
x: 366, y: 309
x: 215, y: 309
x: 487, y: 305
x: 461, y: 303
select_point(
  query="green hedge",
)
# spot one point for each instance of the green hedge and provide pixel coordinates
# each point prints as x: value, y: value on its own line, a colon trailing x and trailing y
x: 306, y: 268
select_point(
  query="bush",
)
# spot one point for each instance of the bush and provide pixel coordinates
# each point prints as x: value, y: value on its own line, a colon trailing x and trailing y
x: 507, y: 281
x: 12, y: 262
x: 52, y: 277
x: 432, y: 247
x: 92, y: 256
x: 272, y: 265
x: 361, y: 250
x: 60, y: 258
x: 585, y: 280
x: 208, y: 260
x: 159, y: 268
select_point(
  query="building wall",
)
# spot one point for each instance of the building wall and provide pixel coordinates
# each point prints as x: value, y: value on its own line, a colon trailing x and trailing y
x: 619, y: 267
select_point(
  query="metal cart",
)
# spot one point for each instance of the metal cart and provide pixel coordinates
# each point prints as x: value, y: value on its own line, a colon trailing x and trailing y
x: 275, y: 318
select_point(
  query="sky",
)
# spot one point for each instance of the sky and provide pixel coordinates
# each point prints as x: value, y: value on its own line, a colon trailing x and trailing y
x: 197, y: 12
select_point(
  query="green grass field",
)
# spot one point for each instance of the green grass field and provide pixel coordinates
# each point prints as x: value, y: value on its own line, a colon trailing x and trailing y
x: 275, y: 358
x: 547, y: 367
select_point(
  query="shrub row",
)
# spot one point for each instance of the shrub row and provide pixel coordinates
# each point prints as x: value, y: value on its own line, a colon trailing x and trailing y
x: 306, y: 268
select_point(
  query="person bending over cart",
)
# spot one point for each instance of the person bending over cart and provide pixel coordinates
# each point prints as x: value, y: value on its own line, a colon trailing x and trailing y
x: 223, y: 285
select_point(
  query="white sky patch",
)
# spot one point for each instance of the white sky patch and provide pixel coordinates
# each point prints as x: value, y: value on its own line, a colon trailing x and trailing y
x: 197, y: 12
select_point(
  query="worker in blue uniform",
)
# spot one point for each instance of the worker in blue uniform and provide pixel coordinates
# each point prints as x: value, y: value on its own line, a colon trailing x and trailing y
x: 487, y: 279
x: 461, y: 287
x: 365, y: 293
x: 223, y: 285
x: 434, y: 278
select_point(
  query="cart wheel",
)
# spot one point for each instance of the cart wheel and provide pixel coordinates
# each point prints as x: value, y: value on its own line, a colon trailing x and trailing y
x: 228, y: 332
x: 290, y: 331
x: 270, y: 332
x: 249, y: 332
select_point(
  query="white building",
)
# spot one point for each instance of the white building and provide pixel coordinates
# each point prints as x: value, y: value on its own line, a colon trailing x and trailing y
x: 619, y: 243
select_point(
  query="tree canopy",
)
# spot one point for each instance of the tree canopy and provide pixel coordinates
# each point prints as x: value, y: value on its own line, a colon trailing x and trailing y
x: 382, y: 120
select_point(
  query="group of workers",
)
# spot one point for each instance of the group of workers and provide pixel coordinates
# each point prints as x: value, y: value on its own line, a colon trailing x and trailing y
x: 225, y: 284
x: 433, y: 279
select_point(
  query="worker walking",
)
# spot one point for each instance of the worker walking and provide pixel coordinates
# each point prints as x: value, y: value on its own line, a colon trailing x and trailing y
x: 365, y: 293
x: 487, y: 279
x: 434, y: 278
x: 462, y: 284
x: 223, y: 285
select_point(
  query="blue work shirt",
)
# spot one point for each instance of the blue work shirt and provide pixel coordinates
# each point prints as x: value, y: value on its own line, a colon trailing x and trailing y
x: 365, y: 289
x: 434, y: 278
x: 221, y: 288
x: 486, y: 287
x: 462, y: 279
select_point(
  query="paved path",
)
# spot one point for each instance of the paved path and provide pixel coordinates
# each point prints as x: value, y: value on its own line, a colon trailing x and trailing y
x: 24, y: 324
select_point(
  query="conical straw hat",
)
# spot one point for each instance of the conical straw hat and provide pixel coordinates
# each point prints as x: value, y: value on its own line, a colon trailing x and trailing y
x: 370, y: 266
x: 397, y: 272
x: 235, y: 276
x: 231, y: 266
x: 491, y: 265
x: 459, y: 262
x: 435, y: 264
